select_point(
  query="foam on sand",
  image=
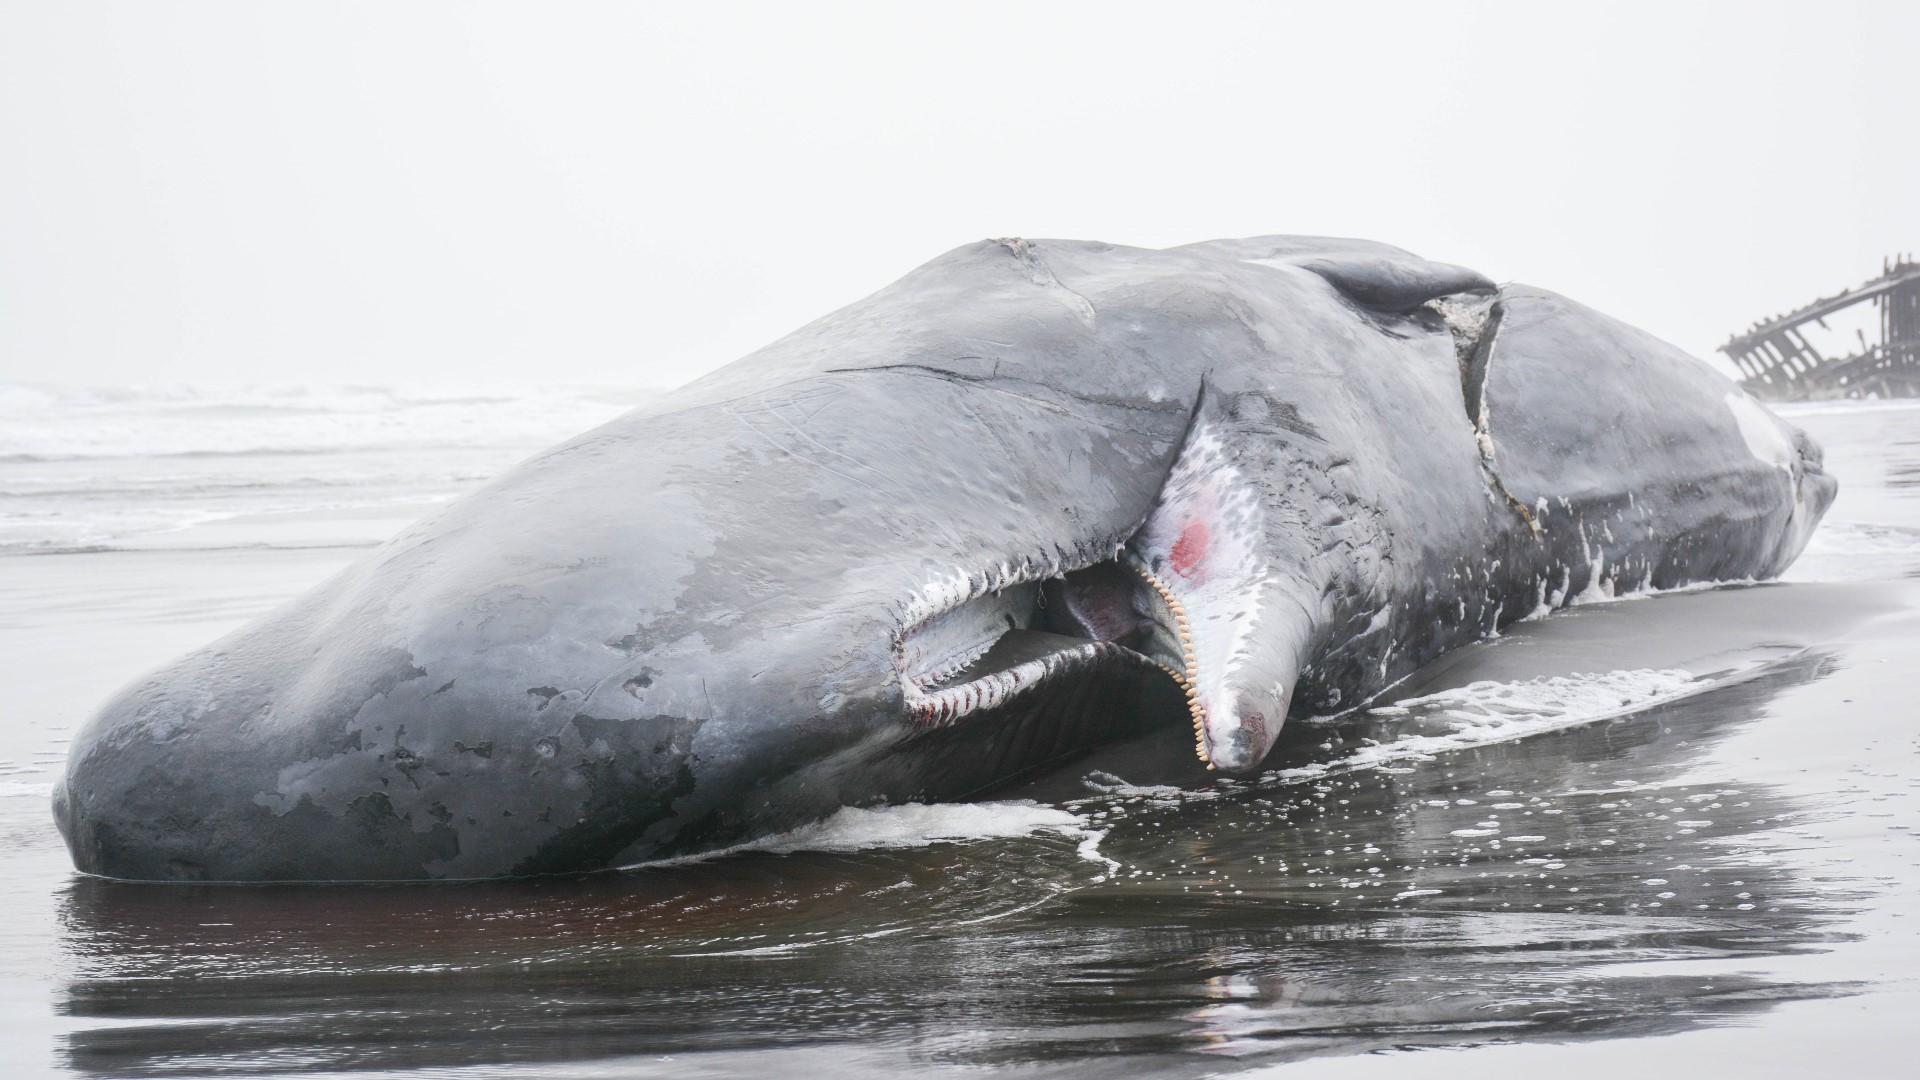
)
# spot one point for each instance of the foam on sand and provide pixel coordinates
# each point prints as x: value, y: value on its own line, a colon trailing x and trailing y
x: 916, y: 825
x: 1482, y: 713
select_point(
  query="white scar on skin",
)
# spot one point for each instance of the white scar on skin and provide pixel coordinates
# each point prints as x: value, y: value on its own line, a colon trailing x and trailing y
x: 1766, y: 436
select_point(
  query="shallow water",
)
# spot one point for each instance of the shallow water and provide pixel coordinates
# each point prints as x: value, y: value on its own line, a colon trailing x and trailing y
x: 1689, y: 823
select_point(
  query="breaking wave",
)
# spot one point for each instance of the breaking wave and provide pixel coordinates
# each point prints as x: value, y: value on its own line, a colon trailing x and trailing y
x: 48, y: 423
x: 95, y: 468
x: 1863, y: 538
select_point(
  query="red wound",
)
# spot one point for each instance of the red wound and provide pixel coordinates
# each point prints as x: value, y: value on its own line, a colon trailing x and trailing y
x: 1191, y: 548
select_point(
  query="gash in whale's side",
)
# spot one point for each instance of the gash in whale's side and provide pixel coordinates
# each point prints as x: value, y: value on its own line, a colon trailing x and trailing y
x: 1033, y: 497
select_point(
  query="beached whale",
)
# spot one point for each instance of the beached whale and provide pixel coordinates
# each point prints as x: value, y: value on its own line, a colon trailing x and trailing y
x: 1033, y: 497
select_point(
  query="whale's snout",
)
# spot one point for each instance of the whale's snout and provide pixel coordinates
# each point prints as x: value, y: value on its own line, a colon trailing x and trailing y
x: 364, y: 735
x: 205, y: 772
x: 266, y: 758
x: 136, y: 800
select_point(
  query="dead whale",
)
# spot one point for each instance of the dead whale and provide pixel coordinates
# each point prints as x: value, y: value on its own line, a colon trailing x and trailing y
x: 1034, y: 497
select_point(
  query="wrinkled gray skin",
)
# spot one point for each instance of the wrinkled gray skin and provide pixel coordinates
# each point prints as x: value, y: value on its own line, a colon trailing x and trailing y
x: 740, y: 608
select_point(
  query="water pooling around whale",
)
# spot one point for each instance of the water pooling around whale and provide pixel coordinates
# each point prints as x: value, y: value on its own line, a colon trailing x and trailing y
x: 1033, y: 498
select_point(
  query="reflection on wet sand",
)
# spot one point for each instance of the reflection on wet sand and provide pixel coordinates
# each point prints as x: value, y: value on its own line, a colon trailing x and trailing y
x: 1502, y: 891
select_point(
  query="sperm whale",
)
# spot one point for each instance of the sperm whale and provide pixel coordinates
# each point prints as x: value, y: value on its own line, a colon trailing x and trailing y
x: 1031, y: 498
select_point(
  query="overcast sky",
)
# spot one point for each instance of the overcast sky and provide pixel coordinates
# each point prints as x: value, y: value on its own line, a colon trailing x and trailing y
x: 635, y: 194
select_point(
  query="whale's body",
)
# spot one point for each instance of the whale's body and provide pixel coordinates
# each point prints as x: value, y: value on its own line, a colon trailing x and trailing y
x: 1030, y: 498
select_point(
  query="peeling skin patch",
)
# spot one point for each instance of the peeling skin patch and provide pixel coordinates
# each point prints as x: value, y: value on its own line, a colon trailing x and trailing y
x: 1468, y: 318
x: 1475, y: 323
x: 1772, y: 441
x: 1765, y: 435
x: 1042, y: 276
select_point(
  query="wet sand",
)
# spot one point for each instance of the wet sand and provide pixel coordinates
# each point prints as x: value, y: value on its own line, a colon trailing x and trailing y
x: 1723, y: 872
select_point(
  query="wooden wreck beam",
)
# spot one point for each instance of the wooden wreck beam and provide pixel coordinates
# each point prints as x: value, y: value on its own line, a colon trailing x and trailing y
x: 1898, y: 275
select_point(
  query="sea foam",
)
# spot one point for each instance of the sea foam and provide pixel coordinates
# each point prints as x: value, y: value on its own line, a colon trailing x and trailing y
x: 1482, y: 713
x: 917, y: 825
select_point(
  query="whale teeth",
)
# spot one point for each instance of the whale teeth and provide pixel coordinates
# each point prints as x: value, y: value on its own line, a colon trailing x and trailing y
x: 1190, y: 683
x: 933, y: 705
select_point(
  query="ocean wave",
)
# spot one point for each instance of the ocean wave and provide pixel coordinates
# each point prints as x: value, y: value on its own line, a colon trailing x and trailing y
x: 29, y: 550
x: 123, y: 523
x: 90, y: 469
x: 301, y: 397
x: 1863, y: 538
x: 1843, y: 408
x: 242, y: 453
x: 41, y: 423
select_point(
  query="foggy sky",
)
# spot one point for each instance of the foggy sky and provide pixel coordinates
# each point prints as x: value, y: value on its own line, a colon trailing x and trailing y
x: 384, y: 192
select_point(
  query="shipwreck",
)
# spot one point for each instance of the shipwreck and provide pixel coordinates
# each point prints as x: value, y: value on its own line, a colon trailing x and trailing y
x: 1778, y: 360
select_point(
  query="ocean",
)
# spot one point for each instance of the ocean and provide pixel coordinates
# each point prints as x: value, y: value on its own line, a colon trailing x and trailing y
x: 137, y: 467
x: 1666, y: 833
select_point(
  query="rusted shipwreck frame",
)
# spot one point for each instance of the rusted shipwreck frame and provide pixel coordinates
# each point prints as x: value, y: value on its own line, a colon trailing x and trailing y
x: 1777, y: 362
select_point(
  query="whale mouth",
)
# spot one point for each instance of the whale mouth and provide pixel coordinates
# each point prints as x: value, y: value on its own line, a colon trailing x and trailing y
x: 1011, y: 634
x: 1012, y: 630
x: 1188, y: 592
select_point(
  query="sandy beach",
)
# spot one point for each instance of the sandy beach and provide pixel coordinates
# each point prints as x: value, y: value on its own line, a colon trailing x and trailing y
x: 1668, y: 833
